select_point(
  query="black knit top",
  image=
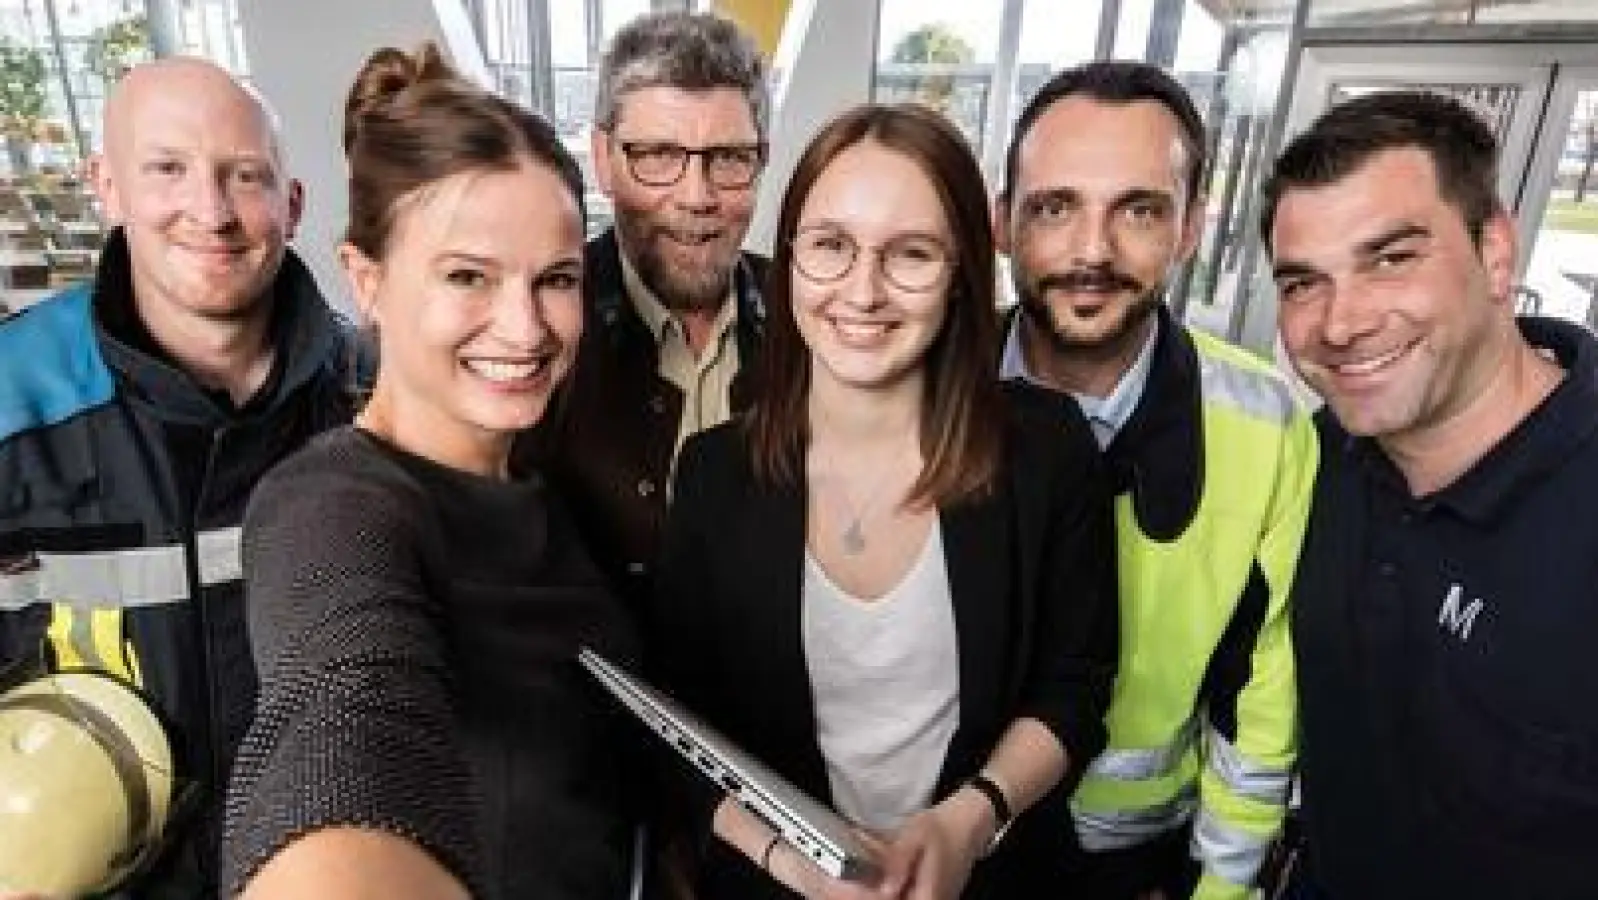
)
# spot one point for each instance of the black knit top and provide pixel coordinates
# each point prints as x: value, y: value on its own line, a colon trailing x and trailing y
x: 416, y: 627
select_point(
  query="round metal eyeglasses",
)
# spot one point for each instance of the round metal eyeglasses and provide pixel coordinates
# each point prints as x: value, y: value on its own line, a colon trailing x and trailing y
x: 910, y: 262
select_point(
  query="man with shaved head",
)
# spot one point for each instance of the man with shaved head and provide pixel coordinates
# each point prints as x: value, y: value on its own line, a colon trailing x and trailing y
x: 137, y: 412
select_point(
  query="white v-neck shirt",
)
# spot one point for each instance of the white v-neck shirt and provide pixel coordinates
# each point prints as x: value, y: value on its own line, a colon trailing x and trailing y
x: 885, y: 679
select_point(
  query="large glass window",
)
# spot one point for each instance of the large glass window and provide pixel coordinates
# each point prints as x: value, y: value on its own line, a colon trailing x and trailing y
x: 940, y: 53
x: 545, y: 54
x: 1046, y: 48
x: 1363, y: 13
x: 58, y: 60
x: 1562, y: 276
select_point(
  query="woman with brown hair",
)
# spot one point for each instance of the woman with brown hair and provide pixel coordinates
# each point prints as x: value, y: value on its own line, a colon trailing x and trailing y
x: 894, y: 581
x: 422, y: 729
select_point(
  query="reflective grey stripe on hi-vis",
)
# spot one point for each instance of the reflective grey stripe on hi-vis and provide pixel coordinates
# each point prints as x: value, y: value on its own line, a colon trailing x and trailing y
x: 1229, y: 852
x: 138, y: 576
x: 1144, y: 763
x: 1243, y: 776
x: 1251, y: 393
x: 1118, y: 829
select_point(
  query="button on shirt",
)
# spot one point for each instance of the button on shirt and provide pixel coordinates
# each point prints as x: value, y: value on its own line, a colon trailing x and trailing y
x: 706, y: 379
x: 1445, y: 660
x: 1107, y: 415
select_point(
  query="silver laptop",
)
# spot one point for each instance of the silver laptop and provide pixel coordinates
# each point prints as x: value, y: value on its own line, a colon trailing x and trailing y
x: 806, y: 825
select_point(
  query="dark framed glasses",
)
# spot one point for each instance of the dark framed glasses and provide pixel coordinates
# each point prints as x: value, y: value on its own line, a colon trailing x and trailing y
x: 661, y: 164
x: 910, y: 262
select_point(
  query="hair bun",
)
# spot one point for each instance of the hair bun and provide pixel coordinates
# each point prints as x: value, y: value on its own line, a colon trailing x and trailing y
x: 386, y: 74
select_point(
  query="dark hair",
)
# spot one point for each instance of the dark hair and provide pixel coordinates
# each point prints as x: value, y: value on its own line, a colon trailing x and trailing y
x: 409, y: 121
x: 692, y: 51
x: 1115, y: 81
x: 1462, y: 148
x: 961, y: 424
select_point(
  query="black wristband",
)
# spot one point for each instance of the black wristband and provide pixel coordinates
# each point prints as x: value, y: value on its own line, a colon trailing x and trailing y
x: 1002, y: 815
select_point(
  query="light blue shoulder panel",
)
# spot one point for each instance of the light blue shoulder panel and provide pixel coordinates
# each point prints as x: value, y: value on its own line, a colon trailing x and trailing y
x: 50, y: 364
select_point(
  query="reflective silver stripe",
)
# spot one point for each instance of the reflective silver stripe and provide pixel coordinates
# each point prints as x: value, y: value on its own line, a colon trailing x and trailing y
x: 1229, y: 852
x: 140, y: 576
x: 1252, y: 393
x: 1118, y: 829
x: 1243, y: 776
x: 1143, y: 763
x: 219, y: 552
x: 143, y: 576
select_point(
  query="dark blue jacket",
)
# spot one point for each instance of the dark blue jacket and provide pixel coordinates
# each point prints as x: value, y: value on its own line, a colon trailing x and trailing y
x: 122, y: 486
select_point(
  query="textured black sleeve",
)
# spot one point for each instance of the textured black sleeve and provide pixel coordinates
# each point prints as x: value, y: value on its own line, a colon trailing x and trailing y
x: 1077, y: 642
x: 353, y: 726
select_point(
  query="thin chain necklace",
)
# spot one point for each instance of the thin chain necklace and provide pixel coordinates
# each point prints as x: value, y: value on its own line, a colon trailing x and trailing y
x: 852, y: 539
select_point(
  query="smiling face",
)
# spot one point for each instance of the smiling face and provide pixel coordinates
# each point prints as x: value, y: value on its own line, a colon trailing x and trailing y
x: 1097, y: 219
x: 478, y: 306
x: 192, y: 174
x: 1387, y: 306
x: 862, y: 329
x: 683, y: 238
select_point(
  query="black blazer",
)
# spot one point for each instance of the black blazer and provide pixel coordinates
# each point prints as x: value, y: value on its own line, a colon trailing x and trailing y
x: 1032, y: 573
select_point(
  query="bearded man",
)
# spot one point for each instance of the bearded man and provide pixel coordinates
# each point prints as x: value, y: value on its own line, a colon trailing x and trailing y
x: 673, y: 305
x: 1213, y: 466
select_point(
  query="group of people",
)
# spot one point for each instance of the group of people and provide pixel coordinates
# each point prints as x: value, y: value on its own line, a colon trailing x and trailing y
x: 1058, y: 601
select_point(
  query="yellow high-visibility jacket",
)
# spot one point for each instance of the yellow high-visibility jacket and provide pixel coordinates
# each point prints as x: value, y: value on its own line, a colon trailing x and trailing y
x: 1214, y: 474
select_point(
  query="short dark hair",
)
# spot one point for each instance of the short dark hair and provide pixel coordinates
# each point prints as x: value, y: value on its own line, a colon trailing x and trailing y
x: 961, y: 424
x: 1462, y: 148
x: 1115, y: 81
x: 410, y: 121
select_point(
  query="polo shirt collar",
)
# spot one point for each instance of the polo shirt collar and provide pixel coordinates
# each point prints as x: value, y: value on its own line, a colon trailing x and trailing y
x: 1566, y: 419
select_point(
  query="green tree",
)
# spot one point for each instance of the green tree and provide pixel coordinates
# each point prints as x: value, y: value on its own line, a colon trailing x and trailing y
x: 22, y: 99
x: 935, y: 44
x: 115, y: 48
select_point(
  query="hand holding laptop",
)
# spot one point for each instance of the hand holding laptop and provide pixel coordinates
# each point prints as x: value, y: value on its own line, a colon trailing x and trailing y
x: 929, y: 858
x: 793, y: 869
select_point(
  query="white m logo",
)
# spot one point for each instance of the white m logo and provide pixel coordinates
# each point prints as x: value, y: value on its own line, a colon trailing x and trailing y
x: 1456, y: 620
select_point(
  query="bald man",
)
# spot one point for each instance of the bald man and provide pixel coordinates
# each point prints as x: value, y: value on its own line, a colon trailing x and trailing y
x: 137, y: 412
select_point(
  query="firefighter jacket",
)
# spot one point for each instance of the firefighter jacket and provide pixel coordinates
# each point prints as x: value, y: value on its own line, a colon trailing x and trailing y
x: 123, y: 483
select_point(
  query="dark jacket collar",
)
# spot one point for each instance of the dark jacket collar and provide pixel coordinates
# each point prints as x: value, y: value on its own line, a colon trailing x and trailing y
x: 1159, y: 455
x: 305, y: 331
x: 611, y: 313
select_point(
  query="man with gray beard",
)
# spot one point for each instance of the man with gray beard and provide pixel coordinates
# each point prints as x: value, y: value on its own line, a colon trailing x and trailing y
x: 673, y: 305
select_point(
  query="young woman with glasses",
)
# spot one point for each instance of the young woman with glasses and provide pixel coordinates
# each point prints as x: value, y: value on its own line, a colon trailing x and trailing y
x: 893, y: 580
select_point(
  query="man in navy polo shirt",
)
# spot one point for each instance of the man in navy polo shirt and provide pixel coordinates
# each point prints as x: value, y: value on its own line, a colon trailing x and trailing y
x: 1447, y: 595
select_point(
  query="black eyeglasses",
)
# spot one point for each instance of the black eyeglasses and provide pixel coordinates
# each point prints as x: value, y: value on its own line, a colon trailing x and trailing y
x: 910, y: 262
x: 727, y: 166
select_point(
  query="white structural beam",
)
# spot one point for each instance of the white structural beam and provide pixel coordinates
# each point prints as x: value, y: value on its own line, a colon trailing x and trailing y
x: 303, y: 56
x: 824, y: 65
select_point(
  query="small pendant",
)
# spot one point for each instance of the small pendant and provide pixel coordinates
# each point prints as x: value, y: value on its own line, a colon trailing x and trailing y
x: 854, y: 540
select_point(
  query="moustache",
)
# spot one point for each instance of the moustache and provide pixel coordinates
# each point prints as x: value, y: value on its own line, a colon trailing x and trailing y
x: 1102, y: 281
